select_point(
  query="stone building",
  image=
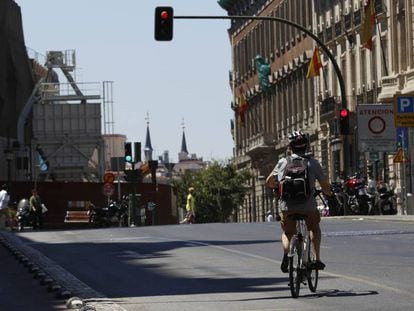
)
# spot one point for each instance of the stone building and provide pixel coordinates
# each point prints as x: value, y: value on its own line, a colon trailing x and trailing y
x: 294, y: 101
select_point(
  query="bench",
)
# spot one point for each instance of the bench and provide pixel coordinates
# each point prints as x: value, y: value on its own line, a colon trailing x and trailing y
x: 77, y: 217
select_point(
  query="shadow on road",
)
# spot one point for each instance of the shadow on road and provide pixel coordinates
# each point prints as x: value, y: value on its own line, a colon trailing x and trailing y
x: 130, y: 269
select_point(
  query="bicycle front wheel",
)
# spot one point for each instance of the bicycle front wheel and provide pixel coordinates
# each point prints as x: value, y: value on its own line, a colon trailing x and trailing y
x: 295, y: 262
x: 312, y: 274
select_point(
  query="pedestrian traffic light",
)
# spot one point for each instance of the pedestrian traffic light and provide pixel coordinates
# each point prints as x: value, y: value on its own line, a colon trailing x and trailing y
x: 344, y: 121
x: 164, y: 23
x: 128, y: 152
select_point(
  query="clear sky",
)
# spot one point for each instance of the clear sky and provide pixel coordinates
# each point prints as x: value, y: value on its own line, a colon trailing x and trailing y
x: 187, y: 78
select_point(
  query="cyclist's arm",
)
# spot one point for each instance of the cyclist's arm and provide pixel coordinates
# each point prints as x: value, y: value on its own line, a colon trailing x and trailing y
x: 322, y: 179
x: 326, y: 187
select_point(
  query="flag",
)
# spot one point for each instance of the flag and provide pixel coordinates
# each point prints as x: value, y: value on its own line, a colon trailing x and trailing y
x: 243, y: 107
x: 368, y: 25
x: 315, y: 64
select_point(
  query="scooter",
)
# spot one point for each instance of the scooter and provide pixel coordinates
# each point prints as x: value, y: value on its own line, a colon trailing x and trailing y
x: 385, y: 201
x: 23, y: 215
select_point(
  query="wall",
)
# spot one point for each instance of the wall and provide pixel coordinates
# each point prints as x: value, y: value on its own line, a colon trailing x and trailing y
x: 56, y: 195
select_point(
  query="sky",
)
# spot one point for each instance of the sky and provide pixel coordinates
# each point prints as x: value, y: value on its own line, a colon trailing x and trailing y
x: 184, y: 79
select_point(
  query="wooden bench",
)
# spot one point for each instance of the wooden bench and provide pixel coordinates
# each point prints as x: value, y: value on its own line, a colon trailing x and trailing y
x: 77, y: 217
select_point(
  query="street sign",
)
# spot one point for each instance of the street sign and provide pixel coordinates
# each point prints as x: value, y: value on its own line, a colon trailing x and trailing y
x: 376, y: 130
x: 401, y: 157
x: 402, y: 137
x: 108, y: 189
x: 109, y: 178
x: 404, y: 111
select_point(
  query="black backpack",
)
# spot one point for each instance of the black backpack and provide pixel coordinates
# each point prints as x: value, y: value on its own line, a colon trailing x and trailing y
x: 294, y: 186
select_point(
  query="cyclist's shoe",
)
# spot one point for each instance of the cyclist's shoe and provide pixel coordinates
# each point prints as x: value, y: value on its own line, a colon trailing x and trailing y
x: 285, y: 264
x: 316, y: 265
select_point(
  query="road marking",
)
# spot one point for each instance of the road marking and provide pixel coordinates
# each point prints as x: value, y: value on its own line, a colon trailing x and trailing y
x: 337, y: 275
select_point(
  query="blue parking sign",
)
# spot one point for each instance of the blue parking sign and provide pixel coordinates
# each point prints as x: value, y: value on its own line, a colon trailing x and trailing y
x: 405, y: 104
x: 403, y: 111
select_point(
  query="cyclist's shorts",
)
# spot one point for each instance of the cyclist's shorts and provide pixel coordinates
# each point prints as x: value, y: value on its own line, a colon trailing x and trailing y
x: 289, y: 226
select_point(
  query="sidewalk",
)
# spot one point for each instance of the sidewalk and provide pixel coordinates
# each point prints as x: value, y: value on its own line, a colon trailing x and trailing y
x: 19, y: 290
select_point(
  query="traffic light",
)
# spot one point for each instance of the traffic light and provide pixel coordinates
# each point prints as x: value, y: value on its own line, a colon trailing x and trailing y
x: 164, y: 23
x: 128, y: 152
x: 344, y: 121
x: 137, y: 151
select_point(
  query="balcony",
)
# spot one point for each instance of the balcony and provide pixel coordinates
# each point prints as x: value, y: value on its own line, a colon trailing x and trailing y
x: 261, y: 145
x: 327, y: 108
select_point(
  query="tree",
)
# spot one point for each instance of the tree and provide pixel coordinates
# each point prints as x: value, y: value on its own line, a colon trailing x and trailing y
x: 219, y: 191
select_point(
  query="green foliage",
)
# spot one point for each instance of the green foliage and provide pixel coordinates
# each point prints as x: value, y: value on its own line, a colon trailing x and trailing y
x: 219, y: 191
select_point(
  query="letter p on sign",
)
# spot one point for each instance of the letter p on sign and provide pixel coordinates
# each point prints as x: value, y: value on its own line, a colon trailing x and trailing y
x: 405, y: 104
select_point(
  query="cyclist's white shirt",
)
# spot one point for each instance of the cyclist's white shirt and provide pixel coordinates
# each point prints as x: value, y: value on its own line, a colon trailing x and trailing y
x: 315, y: 173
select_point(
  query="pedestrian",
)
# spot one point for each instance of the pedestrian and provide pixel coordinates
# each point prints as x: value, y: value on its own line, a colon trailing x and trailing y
x: 296, y: 194
x: 36, y: 210
x: 4, y: 206
x: 190, y: 207
x: 269, y: 217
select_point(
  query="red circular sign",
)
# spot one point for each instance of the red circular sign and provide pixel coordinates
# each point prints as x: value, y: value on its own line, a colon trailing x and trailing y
x: 109, y: 178
x: 376, y: 125
x: 108, y: 189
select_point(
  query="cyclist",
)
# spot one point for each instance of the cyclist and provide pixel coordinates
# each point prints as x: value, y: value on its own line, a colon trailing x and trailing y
x: 298, y: 147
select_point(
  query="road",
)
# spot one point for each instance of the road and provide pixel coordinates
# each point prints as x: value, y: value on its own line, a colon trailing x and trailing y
x: 228, y: 266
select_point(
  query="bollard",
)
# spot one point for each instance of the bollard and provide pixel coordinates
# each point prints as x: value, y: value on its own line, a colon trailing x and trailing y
x: 410, y: 204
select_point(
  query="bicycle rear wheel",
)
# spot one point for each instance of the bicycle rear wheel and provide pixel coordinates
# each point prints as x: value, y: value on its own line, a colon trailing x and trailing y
x: 312, y: 274
x: 295, y: 262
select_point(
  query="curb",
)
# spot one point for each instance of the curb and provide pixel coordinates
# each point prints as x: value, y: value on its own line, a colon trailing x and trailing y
x: 56, y: 279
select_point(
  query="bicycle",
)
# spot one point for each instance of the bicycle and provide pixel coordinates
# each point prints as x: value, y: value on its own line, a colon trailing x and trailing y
x: 300, y: 256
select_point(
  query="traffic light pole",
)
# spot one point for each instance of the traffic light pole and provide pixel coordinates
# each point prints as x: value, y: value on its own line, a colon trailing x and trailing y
x: 285, y: 21
x: 318, y: 41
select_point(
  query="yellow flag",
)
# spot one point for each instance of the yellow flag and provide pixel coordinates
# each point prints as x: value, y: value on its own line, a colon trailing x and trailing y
x: 315, y: 64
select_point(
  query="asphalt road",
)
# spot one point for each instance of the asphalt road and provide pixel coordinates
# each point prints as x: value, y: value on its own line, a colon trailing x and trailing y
x: 228, y: 266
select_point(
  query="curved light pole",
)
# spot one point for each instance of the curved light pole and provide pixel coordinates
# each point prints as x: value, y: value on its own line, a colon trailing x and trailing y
x: 318, y: 41
x: 285, y: 21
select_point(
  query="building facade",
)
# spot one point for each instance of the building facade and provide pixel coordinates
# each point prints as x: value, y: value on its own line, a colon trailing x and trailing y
x: 294, y: 101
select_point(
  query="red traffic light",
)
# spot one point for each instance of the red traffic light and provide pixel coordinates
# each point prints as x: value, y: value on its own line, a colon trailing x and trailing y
x: 164, y: 15
x: 164, y: 20
x: 344, y: 113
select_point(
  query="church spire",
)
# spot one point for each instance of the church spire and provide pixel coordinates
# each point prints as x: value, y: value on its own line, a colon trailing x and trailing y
x: 183, y: 141
x: 183, y: 154
x: 148, y: 148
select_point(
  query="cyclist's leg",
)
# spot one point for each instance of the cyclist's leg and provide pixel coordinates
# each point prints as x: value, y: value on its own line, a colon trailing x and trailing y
x: 312, y: 222
x: 288, y: 230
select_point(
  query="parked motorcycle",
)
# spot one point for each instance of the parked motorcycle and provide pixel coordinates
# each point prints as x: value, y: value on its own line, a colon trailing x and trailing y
x: 111, y: 215
x: 23, y: 215
x: 384, y: 203
x: 340, y: 201
x: 359, y: 201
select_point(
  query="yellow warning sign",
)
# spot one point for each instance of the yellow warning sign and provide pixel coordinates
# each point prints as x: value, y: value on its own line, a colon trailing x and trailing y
x: 401, y: 157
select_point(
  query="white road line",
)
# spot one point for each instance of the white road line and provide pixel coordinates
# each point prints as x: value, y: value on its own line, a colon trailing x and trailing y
x: 337, y: 275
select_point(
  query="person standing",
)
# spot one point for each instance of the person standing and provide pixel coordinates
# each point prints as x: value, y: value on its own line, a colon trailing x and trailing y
x: 4, y: 205
x: 36, y: 210
x: 297, y: 196
x: 190, y: 207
